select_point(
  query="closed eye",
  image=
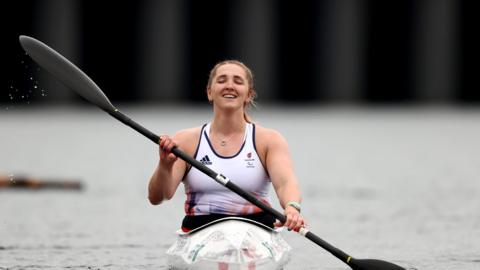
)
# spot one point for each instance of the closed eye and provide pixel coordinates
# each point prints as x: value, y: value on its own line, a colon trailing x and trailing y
x: 221, y: 79
x: 238, y: 80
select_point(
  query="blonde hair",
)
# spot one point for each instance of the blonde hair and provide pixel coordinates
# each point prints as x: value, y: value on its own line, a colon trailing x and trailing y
x: 251, y: 89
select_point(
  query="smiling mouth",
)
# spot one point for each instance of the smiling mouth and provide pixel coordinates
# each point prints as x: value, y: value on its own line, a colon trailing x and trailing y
x: 229, y: 96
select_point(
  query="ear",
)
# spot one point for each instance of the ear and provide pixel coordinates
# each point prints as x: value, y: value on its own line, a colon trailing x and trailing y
x: 249, y: 96
x: 209, y: 95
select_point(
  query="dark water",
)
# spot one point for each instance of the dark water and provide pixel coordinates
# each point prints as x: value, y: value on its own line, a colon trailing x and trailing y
x: 396, y: 184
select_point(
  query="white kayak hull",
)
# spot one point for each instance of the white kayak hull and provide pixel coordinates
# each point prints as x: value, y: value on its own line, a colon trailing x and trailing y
x: 229, y: 244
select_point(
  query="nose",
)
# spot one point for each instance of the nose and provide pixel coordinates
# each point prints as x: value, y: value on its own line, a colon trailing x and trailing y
x: 229, y: 84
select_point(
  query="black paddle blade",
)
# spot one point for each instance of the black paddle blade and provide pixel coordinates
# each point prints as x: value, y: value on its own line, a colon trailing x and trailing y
x: 370, y: 264
x: 65, y: 71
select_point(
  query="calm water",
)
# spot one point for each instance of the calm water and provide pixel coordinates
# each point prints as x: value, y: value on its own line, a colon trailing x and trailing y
x: 395, y: 184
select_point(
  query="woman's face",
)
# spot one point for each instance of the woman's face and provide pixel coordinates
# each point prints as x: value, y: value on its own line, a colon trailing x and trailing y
x: 230, y: 87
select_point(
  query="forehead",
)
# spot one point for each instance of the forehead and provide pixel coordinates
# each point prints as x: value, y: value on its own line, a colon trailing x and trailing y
x: 230, y: 69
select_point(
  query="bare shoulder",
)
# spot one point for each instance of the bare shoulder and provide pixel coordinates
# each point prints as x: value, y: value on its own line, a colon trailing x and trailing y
x: 267, y: 137
x: 267, y: 133
x: 187, y: 139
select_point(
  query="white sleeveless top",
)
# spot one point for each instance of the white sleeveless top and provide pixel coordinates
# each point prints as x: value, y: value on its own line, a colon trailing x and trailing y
x: 206, y: 196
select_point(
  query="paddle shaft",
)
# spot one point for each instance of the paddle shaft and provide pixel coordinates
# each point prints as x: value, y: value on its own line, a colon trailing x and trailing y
x: 227, y: 183
x: 75, y: 79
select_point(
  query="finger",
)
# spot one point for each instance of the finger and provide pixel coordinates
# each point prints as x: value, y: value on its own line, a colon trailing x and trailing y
x: 165, y: 146
x: 172, y: 157
x: 163, y: 140
x: 300, y: 224
x: 294, y: 222
x: 164, y: 151
x: 169, y: 144
x: 288, y: 221
x: 298, y: 228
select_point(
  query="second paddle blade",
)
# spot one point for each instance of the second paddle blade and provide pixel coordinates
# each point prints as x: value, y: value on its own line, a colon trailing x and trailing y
x: 370, y: 264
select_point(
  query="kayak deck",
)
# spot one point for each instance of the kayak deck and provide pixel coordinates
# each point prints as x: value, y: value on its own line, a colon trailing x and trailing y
x: 231, y: 243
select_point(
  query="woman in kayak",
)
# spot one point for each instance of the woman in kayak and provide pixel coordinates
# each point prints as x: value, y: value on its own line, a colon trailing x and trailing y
x: 231, y: 144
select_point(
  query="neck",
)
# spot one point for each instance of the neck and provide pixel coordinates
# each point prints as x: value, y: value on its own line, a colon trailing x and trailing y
x: 225, y: 123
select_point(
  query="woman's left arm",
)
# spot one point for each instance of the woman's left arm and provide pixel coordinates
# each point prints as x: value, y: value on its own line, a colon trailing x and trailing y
x: 280, y: 168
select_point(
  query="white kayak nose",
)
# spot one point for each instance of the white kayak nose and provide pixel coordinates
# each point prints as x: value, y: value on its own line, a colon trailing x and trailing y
x: 229, y: 243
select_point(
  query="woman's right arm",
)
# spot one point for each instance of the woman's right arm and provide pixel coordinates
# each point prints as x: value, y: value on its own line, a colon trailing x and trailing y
x: 169, y: 172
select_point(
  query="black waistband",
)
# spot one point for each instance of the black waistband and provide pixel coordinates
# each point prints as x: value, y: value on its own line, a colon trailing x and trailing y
x: 193, y: 222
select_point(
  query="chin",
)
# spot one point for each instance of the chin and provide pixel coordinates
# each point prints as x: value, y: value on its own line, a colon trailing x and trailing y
x: 230, y: 106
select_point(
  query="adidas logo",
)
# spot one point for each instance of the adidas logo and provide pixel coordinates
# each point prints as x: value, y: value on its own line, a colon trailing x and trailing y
x: 206, y: 160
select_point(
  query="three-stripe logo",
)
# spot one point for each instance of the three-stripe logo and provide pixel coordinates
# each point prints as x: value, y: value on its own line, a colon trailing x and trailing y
x: 206, y: 160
